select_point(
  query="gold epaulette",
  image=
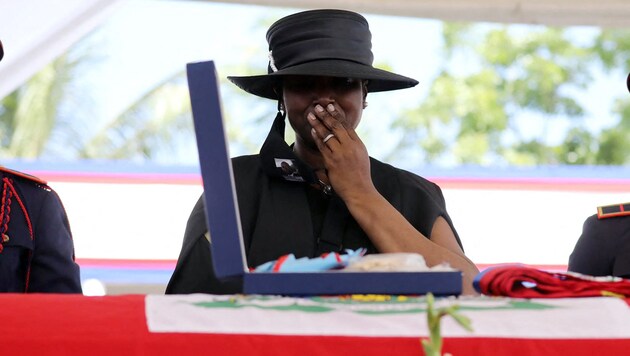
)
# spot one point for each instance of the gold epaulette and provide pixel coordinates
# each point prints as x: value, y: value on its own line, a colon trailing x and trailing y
x: 23, y: 175
x: 611, y: 211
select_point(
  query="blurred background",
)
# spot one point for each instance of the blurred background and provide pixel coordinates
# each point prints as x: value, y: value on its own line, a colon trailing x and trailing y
x: 522, y: 116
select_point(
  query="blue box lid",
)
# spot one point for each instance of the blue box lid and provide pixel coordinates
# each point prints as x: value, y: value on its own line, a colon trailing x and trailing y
x: 222, y: 217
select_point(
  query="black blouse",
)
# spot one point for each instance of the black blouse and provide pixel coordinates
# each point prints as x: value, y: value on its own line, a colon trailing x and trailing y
x: 276, y: 219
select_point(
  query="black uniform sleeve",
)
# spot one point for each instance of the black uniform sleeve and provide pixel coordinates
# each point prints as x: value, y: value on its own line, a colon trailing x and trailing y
x: 595, y: 250
x: 194, y: 272
x: 53, y: 269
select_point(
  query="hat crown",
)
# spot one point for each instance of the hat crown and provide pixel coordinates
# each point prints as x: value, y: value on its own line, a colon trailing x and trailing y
x: 327, y: 42
x: 319, y: 35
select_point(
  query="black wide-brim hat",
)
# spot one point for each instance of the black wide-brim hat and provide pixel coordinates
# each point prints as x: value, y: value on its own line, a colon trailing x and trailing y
x: 333, y: 43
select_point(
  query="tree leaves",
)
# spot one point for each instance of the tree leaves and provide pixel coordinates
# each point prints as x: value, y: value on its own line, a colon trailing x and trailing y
x: 494, y: 76
x: 498, y: 98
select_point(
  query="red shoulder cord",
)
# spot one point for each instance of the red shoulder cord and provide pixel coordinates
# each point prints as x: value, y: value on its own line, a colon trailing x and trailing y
x: 5, y: 212
x: 8, y: 192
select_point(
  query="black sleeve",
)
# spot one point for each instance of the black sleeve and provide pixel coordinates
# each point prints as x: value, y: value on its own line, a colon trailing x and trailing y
x: 620, y: 230
x: 194, y: 272
x: 594, y: 251
x: 53, y: 269
x: 422, y: 203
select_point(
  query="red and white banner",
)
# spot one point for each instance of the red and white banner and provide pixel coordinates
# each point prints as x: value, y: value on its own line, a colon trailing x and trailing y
x: 388, y: 316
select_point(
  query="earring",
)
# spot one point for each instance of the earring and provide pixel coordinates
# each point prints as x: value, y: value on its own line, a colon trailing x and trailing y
x: 280, y: 106
x: 365, y: 104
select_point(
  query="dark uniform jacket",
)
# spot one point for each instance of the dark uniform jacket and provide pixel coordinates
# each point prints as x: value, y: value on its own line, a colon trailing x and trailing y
x: 277, y: 219
x: 36, y: 250
x: 603, y: 249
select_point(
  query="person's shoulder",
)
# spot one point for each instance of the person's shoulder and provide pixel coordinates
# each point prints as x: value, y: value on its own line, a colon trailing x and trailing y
x: 613, y: 216
x: 246, y: 164
x: 31, y: 190
x: 24, y: 178
x: 246, y: 160
x: 247, y: 169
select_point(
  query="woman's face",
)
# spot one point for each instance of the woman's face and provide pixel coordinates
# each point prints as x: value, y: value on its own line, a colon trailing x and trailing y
x: 301, y: 94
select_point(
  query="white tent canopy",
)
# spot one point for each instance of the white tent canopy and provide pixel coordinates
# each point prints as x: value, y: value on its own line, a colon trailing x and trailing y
x: 603, y: 13
x: 36, y: 31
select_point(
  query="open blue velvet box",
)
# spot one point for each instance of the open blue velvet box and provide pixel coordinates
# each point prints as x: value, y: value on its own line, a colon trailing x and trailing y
x: 224, y: 223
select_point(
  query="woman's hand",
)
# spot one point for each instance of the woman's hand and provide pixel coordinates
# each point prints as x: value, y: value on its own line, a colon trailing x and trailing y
x: 345, y: 156
x: 348, y: 165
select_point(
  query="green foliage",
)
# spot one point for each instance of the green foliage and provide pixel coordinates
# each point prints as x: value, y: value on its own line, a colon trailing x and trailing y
x: 471, y: 115
x: 33, y: 123
x: 29, y: 114
x: 147, y: 126
x: 32, y: 118
x: 494, y: 79
x: 613, y: 48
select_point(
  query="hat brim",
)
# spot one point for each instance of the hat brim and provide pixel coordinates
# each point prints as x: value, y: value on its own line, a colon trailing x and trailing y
x: 267, y: 86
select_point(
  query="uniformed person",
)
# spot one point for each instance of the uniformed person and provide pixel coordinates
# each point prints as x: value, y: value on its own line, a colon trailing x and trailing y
x: 603, y: 249
x: 36, y: 247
